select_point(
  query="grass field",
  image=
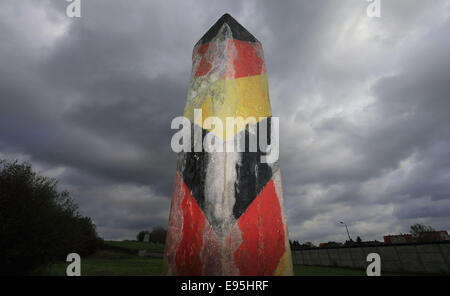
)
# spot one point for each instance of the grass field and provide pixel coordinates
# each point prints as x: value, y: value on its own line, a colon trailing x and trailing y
x: 114, y: 263
x: 109, y: 263
x: 136, y: 246
x: 301, y: 270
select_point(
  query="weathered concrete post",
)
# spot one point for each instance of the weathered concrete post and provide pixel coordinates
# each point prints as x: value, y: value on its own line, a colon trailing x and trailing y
x: 227, y: 215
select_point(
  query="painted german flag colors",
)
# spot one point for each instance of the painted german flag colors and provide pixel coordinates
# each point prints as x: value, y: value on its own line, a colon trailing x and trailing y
x: 227, y: 215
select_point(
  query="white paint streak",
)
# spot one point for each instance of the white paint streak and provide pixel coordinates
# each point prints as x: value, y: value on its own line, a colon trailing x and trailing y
x: 219, y: 189
x: 175, y: 228
x: 217, y: 56
x: 276, y: 177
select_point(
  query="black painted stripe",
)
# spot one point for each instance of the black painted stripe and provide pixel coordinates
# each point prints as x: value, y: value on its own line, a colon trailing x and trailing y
x: 252, y: 176
x: 237, y: 30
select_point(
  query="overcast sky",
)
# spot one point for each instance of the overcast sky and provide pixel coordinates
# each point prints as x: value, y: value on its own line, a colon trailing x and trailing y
x: 364, y: 106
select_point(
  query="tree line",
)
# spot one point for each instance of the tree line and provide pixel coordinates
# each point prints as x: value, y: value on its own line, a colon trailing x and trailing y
x: 38, y: 223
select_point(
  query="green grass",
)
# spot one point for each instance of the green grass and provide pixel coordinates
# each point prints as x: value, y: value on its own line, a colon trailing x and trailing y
x: 109, y: 263
x: 135, y: 245
x: 114, y: 262
x: 301, y: 270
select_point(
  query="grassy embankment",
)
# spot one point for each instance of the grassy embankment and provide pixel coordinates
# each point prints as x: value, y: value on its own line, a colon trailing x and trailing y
x: 121, y: 259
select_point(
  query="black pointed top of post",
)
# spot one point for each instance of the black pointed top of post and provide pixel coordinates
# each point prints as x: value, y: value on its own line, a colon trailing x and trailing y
x: 237, y: 30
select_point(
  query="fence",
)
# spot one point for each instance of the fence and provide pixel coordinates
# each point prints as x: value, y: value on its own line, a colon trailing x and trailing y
x: 433, y: 258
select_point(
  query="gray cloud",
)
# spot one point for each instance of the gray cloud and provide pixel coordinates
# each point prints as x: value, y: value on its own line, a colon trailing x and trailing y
x: 363, y: 103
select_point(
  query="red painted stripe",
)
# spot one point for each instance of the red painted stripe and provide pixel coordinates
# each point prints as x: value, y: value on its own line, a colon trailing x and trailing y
x: 211, y: 254
x: 205, y: 65
x: 263, y: 237
x: 187, y: 258
x: 244, y: 59
x: 175, y: 222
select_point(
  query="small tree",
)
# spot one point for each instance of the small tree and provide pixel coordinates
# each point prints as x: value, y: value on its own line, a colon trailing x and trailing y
x: 423, y: 233
x: 141, y: 235
x: 349, y: 243
x: 158, y: 235
x: 308, y: 245
x: 358, y: 240
x: 332, y: 244
x: 418, y: 230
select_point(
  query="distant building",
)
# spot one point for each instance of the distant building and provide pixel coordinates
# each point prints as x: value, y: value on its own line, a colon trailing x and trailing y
x: 444, y: 235
x: 399, y: 239
x: 435, y: 236
x: 430, y: 236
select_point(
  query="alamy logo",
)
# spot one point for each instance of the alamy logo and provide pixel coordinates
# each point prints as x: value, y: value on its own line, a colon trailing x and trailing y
x: 74, y: 268
x: 374, y: 268
x: 74, y: 8
x: 252, y: 135
x: 374, y: 8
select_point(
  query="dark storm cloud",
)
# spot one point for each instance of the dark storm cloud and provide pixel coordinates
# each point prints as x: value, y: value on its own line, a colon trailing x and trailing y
x: 363, y: 103
x: 97, y: 100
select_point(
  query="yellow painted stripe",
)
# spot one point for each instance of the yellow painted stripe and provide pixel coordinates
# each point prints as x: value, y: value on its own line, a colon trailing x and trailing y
x: 285, y: 265
x: 243, y: 97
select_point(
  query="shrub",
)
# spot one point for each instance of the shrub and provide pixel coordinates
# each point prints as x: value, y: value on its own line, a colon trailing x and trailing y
x: 38, y: 224
x: 141, y: 235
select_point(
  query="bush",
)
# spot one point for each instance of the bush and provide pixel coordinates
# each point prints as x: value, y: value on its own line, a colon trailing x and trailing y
x: 38, y: 224
x: 141, y: 235
x: 157, y: 235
